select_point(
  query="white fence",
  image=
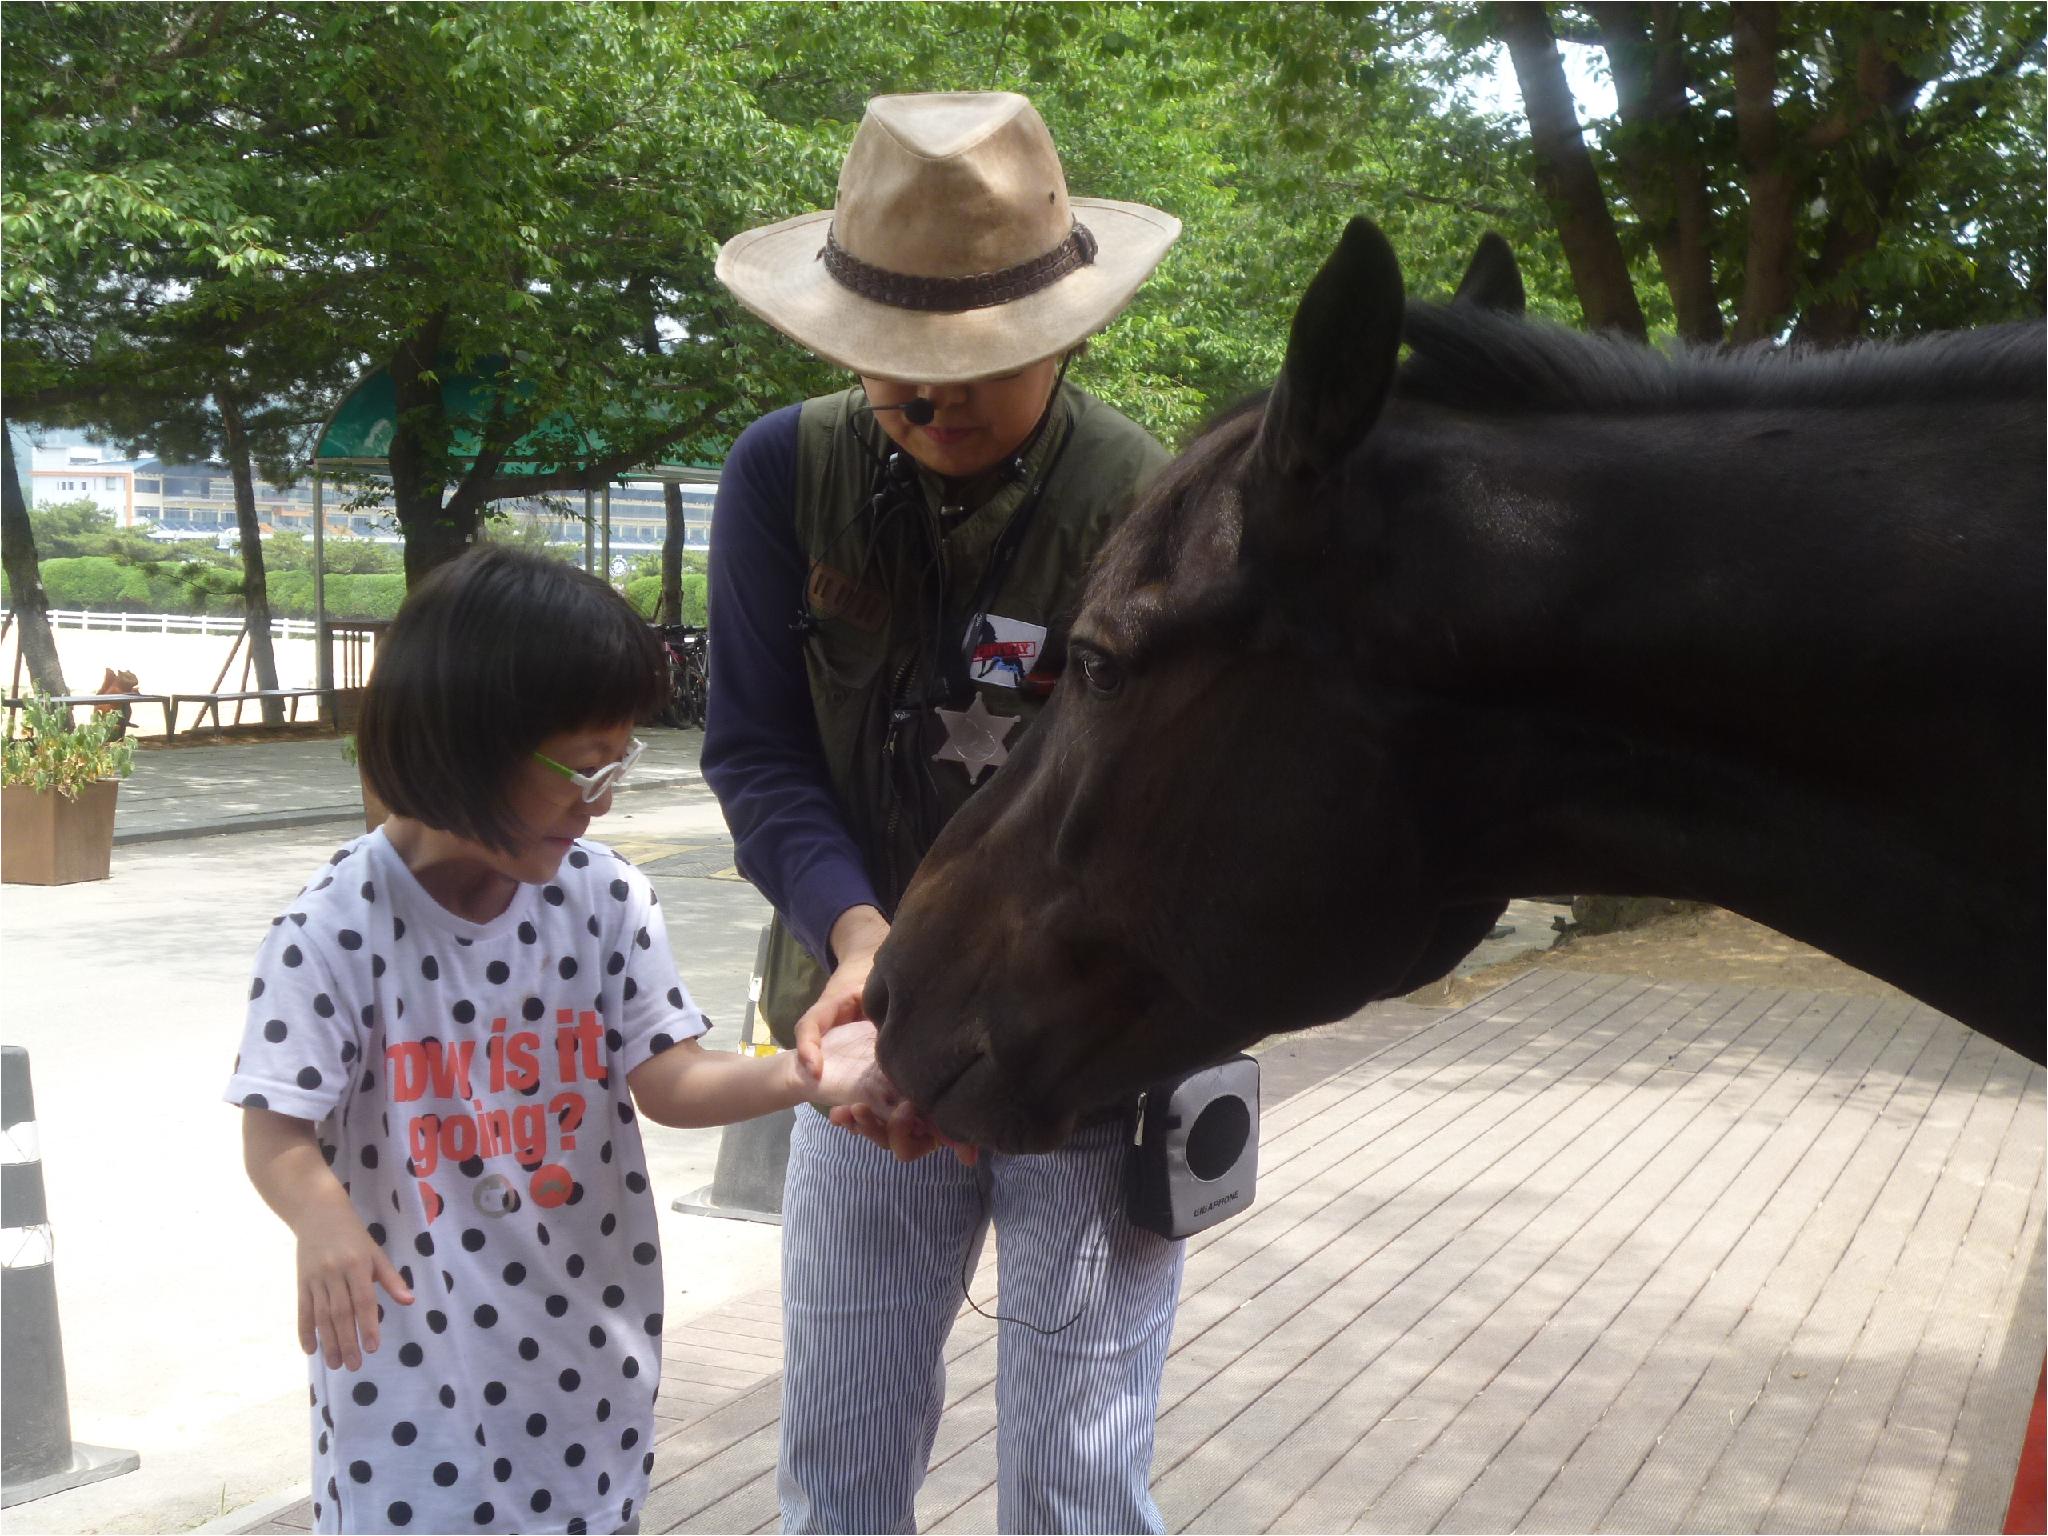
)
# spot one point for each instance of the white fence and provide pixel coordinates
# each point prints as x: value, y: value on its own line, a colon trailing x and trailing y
x: 169, y: 623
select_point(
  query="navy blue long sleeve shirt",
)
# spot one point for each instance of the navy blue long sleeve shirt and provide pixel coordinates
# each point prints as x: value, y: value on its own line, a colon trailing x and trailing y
x: 762, y: 755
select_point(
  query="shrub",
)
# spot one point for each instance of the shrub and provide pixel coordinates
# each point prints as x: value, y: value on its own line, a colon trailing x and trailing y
x: 58, y: 755
x: 94, y: 581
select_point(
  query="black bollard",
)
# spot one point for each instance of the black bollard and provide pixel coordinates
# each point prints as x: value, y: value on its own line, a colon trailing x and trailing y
x: 37, y: 1454
x: 752, y: 1154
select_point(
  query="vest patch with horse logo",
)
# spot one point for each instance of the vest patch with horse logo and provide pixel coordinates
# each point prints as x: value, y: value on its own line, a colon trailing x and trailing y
x: 837, y: 595
x: 1006, y: 651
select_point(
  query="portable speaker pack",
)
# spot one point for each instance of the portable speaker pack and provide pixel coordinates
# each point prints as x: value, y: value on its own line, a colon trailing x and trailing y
x: 1194, y: 1156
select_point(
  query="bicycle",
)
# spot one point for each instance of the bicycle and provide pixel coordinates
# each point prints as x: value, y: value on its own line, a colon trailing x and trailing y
x: 689, y: 674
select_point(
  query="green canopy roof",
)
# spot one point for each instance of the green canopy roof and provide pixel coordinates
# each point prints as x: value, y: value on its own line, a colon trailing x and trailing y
x: 359, y: 433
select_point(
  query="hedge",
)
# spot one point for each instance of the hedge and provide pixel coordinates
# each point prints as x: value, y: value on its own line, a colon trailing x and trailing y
x: 108, y: 586
x: 644, y: 593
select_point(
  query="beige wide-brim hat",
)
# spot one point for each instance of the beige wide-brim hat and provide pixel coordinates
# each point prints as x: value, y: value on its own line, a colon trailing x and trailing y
x: 954, y: 252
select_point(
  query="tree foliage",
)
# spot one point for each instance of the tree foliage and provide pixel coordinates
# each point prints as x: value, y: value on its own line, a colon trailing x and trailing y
x: 220, y: 214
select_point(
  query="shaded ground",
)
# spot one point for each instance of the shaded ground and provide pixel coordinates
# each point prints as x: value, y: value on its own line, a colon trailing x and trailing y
x: 1706, y: 946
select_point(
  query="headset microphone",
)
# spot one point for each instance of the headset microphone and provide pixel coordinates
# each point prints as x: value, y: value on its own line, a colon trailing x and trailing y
x: 918, y: 412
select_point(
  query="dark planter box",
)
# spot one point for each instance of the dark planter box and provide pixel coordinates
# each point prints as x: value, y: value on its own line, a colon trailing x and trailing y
x: 46, y: 839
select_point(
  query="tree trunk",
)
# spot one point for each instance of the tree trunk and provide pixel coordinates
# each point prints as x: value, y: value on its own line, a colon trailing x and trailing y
x: 1767, y: 279
x: 255, y: 590
x: 671, y: 610
x: 433, y: 533
x: 1658, y: 155
x: 25, y: 581
x: 1565, y: 174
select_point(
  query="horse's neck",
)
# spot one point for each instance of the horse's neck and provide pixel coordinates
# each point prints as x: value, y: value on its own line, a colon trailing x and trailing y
x: 1645, y: 661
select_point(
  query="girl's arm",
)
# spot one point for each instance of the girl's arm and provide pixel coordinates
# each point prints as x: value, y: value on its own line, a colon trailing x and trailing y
x: 339, y: 1266
x: 687, y: 1085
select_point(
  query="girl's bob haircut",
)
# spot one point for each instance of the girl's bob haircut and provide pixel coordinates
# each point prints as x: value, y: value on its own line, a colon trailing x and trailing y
x: 489, y: 656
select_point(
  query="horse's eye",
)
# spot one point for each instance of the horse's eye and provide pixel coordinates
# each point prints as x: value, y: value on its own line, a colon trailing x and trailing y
x: 1101, y: 673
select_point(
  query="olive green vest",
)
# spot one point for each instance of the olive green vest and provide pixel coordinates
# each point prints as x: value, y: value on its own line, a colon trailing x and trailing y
x: 885, y: 590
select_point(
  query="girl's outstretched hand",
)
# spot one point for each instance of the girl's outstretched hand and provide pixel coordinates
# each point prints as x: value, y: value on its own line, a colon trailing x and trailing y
x: 848, y: 1072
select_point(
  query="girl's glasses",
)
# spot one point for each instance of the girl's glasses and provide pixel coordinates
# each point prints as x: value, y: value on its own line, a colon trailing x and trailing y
x: 598, y: 781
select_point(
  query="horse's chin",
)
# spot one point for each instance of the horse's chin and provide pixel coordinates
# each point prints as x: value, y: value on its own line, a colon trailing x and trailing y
x: 978, y: 1108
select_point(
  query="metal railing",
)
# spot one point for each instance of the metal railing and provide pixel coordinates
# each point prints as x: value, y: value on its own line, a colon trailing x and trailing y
x: 170, y: 623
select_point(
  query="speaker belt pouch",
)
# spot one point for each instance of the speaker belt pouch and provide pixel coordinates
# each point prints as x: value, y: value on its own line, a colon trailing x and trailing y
x: 1194, y: 1155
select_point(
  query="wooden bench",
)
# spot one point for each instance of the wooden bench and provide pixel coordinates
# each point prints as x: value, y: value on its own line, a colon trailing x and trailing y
x: 73, y: 700
x: 211, y: 702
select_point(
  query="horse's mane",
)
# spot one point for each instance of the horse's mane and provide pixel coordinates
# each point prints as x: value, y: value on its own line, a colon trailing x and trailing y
x: 1472, y: 358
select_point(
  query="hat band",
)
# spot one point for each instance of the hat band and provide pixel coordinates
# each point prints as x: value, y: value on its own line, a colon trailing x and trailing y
x: 949, y: 295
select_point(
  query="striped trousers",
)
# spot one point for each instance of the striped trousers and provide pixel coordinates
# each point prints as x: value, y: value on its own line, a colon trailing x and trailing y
x: 874, y: 1253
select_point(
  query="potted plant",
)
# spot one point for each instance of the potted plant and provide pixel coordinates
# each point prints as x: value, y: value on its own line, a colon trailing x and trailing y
x: 57, y: 787
x: 374, y: 810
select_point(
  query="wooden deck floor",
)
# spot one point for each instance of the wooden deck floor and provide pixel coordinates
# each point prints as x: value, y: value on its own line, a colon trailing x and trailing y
x: 1595, y: 1253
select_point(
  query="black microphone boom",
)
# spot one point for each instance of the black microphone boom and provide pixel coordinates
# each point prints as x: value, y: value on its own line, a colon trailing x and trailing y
x: 918, y: 412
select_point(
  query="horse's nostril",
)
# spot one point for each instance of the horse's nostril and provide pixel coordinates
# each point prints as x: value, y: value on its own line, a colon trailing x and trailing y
x: 876, y: 997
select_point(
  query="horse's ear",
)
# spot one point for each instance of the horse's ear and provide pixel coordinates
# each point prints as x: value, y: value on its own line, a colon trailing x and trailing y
x: 1493, y: 281
x: 1340, y: 359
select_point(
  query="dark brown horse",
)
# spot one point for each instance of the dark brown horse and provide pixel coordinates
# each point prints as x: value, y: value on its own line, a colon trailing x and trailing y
x: 1536, y: 611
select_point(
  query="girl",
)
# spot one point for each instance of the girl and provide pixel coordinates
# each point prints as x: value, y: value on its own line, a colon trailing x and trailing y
x: 450, y: 1036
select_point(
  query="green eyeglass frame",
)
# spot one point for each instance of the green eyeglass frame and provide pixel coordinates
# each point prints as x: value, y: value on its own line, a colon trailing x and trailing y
x: 595, y: 783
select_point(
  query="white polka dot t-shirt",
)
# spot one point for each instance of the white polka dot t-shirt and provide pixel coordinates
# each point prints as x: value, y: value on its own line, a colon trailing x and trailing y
x: 468, y: 1081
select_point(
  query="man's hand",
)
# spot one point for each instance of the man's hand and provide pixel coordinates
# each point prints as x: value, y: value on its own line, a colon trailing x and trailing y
x: 339, y: 1271
x: 901, y: 1129
x: 856, y: 935
x: 851, y: 1075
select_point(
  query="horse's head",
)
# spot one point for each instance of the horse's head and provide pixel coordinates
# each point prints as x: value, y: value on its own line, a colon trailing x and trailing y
x: 1159, y: 876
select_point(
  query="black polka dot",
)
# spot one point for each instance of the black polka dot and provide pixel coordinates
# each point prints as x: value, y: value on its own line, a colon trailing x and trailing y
x: 573, y: 1456
x: 472, y: 1239
x: 646, y: 1465
x: 604, y: 1153
x: 557, y: 1305
x: 377, y: 1233
x: 636, y: 1182
x: 403, y: 1433
x: 631, y: 990
x: 528, y: 934
x: 323, y: 1005
x: 376, y: 965
x: 368, y: 892
x: 653, y: 1324
x: 568, y: 1381
x: 423, y: 1245
x: 529, y: 1348
x: 604, y: 1411
x: 471, y: 1167
x: 567, y: 968
x: 399, y: 1513
x: 369, y: 1155
x: 596, y: 1337
x: 620, y: 890
x: 410, y: 1354
x: 464, y: 1011
x: 630, y: 1368
x: 275, y: 1031
x: 255, y: 989
x: 484, y: 1514
x: 575, y: 1264
x: 292, y: 955
x: 309, y: 1077
x: 645, y: 1253
x: 497, y: 973
x: 536, y: 1424
x: 445, y: 1474
x: 616, y: 964
x: 604, y: 1486
x: 675, y: 997
x: 486, y: 1316
x: 613, y: 1040
x: 629, y: 1439
x: 501, y: 1469
x: 348, y: 938
x: 590, y: 924
x: 438, y: 1321
x: 359, y: 1471
x: 577, y: 1527
x: 640, y: 938
x: 430, y: 968
x: 552, y: 895
x: 532, y: 1009
x: 397, y: 928
x: 447, y: 1396
x: 515, y: 1272
x: 494, y: 1392
x: 625, y: 1113
x: 365, y: 1393
x: 540, y: 1501
x: 348, y: 1047
x: 578, y: 859
x: 254, y: 1101
x: 661, y: 1042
